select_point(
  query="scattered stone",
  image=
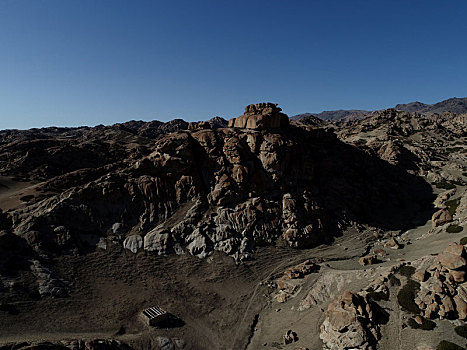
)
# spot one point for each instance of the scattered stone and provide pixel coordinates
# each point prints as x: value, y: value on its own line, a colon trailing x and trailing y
x: 368, y: 260
x: 392, y: 243
x: 380, y: 252
x: 301, y: 270
x: 441, y: 293
x: 281, y: 297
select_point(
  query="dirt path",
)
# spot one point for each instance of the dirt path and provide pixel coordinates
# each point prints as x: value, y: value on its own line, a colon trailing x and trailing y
x: 280, y: 266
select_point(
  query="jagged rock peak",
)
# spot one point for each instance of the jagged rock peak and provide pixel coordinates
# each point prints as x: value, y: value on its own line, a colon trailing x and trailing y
x: 261, y: 116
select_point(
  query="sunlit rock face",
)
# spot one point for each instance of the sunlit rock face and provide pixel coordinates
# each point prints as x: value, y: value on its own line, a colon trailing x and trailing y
x: 261, y: 116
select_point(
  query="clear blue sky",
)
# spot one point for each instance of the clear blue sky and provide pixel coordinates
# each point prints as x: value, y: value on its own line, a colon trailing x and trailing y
x: 87, y: 62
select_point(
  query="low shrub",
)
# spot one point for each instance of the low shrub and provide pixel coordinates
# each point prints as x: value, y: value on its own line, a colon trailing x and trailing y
x: 454, y: 229
x: 27, y: 198
x: 405, y: 270
x: 461, y: 330
x: 452, y: 205
x: 463, y: 241
x: 447, y: 345
x: 445, y: 185
x: 426, y: 325
x: 406, y: 296
x: 377, y: 296
x: 394, y: 281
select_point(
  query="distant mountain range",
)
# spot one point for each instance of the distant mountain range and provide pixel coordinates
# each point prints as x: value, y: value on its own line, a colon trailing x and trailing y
x: 455, y: 105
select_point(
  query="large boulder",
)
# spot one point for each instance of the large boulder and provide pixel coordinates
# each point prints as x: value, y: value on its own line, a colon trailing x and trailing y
x: 453, y: 257
x: 350, y: 323
x: 133, y: 243
x: 261, y: 116
x: 441, y: 217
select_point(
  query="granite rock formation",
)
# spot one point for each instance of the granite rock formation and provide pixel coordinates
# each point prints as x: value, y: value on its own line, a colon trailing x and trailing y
x: 350, y: 323
x: 261, y: 116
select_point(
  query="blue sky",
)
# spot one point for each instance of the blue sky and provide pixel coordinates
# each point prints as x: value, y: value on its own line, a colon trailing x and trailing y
x: 87, y: 62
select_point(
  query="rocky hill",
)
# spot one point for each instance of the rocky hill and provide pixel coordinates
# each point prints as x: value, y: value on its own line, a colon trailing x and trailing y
x: 453, y: 105
x: 334, y: 115
x: 210, y: 219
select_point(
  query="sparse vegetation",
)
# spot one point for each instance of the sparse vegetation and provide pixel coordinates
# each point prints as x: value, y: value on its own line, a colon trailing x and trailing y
x: 445, y: 185
x: 406, y: 271
x: 27, y: 198
x: 461, y: 330
x: 447, y: 345
x: 454, y: 229
x: 377, y: 296
x: 453, y: 149
x: 427, y: 325
x: 406, y: 296
x: 394, y: 281
x: 452, y: 205
x: 361, y: 142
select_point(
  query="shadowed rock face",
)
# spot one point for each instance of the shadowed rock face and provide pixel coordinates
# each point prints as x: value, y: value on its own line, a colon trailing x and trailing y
x: 227, y: 190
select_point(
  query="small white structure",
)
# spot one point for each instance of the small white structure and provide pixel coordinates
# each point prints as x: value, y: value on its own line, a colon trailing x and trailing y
x: 154, y: 315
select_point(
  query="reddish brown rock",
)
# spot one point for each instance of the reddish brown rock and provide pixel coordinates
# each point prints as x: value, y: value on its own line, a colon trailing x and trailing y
x: 441, y: 217
x: 392, y: 243
x: 458, y: 276
x: 349, y: 323
x: 421, y: 275
x: 453, y: 257
x: 199, y: 125
x: 281, y: 297
x: 261, y: 116
x: 301, y: 270
x: 461, y: 307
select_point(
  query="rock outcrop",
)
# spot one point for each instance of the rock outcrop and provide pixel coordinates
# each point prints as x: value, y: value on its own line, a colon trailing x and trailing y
x: 261, y: 116
x: 225, y: 190
x: 441, y: 291
x: 293, y: 277
x: 350, y: 323
x: 441, y: 217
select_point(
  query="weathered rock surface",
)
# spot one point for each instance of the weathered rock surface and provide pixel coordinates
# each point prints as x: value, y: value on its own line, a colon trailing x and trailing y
x: 223, y: 189
x: 441, y: 291
x: 441, y: 217
x: 350, y: 323
x: 293, y: 277
x: 261, y: 116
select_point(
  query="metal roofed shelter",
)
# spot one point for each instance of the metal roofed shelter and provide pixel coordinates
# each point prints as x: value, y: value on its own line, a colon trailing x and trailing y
x: 154, y: 316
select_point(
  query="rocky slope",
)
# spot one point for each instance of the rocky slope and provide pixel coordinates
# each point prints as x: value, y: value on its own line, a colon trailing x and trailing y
x: 218, y: 189
x: 147, y: 198
x: 452, y: 105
